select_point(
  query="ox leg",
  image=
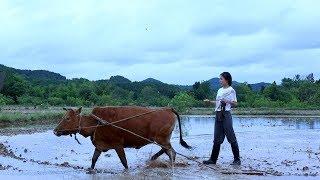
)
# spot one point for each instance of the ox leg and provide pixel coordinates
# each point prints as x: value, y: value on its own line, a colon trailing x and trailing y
x: 154, y: 157
x: 171, y: 153
x: 122, y: 156
x: 95, y: 157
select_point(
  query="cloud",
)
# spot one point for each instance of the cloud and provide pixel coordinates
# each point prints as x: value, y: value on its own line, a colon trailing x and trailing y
x: 174, y: 41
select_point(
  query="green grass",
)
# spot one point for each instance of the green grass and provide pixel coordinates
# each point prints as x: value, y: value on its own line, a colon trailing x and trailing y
x: 16, y: 116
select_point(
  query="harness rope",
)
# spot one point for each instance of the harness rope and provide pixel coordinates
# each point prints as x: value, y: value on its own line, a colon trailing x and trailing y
x: 153, y: 142
x: 95, y: 126
x: 150, y: 141
x: 107, y: 123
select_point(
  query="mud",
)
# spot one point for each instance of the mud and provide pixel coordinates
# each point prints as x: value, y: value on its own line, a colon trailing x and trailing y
x: 269, y: 148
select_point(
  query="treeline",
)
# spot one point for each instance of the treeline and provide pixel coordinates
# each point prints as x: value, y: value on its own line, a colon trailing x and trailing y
x: 296, y: 92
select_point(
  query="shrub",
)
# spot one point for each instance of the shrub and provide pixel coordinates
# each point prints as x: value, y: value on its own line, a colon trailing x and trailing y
x: 5, y: 100
x: 182, y: 101
x: 29, y: 100
x: 54, y: 101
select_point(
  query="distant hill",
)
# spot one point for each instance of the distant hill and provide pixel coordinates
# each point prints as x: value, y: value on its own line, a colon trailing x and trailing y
x: 258, y: 86
x: 119, y: 79
x: 44, y: 76
x: 215, y: 84
x: 34, y: 74
x: 151, y: 80
x: 1, y: 80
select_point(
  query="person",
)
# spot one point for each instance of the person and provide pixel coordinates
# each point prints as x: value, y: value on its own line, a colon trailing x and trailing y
x: 225, y: 100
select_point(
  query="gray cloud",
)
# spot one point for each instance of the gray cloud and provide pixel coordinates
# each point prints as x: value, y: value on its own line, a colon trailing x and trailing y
x: 174, y: 41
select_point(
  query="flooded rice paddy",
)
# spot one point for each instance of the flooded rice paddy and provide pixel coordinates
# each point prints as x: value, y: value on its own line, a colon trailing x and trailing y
x: 276, y: 147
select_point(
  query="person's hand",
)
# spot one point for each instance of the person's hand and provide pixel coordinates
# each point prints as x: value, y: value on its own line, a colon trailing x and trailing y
x: 225, y: 101
x: 207, y: 101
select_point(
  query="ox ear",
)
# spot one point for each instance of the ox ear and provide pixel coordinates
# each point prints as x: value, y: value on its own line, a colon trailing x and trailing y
x: 79, y: 110
x: 65, y: 109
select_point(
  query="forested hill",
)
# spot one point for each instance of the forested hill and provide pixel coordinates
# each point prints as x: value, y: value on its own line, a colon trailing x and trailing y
x: 44, y: 76
x: 40, y: 87
x: 34, y: 74
x: 215, y: 84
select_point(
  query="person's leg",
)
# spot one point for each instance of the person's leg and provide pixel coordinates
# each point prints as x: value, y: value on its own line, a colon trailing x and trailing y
x: 218, y: 139
x: 236, y: 154
x: 231, y: 137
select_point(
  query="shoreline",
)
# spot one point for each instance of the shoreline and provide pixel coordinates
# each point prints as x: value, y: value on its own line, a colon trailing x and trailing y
x: 257, y: 116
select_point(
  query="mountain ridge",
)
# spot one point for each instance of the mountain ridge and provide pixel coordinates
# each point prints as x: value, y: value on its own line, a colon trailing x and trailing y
x: 118, y: 79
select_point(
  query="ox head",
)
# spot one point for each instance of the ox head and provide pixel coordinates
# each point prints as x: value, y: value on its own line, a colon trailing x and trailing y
x: 69, y: 123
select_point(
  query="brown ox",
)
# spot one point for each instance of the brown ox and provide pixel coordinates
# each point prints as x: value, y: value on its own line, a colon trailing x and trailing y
x: 156, y: 126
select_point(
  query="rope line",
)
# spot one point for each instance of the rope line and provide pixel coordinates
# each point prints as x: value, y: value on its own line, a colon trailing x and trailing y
x: 95, y: 126
x: 153, y: 142
x: 107, y: 123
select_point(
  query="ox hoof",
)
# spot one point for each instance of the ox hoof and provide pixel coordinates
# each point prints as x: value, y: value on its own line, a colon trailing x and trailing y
x: 91, y: 171
x: 153, y: 158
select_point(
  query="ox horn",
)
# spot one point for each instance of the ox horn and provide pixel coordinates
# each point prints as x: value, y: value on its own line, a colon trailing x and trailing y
x: 79, y: 110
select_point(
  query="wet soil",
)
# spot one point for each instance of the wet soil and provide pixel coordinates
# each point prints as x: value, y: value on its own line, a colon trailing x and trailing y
x: 271, y: 147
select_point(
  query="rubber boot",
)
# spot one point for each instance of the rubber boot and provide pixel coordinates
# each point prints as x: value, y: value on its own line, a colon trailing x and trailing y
x: 236, y: 155
x: 214, y: 155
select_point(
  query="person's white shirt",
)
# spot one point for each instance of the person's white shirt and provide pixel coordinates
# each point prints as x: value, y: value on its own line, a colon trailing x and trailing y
x: 228, y: 94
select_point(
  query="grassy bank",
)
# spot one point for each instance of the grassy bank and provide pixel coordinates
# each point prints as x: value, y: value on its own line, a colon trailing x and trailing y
x: 20, y: 116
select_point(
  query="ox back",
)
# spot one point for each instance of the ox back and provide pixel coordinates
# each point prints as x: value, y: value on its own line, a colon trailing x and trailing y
x: 156, y: 126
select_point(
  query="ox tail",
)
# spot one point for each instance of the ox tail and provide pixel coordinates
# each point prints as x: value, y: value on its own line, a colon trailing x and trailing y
x: 182, y: 142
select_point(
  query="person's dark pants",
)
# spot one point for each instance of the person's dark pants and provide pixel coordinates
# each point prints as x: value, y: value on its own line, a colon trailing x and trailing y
x: 223, y: 127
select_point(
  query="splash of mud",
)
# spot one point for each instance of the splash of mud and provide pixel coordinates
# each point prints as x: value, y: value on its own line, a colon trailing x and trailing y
x: 165, y: 164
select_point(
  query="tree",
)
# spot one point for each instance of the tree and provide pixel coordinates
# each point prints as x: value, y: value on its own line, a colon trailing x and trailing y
x: 182, y: 101
x: 1, y: 80
x: 287, y: 83
x: 245, y: 95
x: 201, y: 90
x: 315, y: 99
x: 5, y: 100
x: 262, y: 89
x: 86, y: 91
x: 14, y: 86
x: 196, y: 85
x: 306, y: 90
x: 275, y: 93
x: 149, y: 95
x: 310, y: 78
x: 297, y: 77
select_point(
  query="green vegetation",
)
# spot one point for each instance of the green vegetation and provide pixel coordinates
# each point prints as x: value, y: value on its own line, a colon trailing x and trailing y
x: 27, y: 117
x: 41, y: 88
x: 16, y: 115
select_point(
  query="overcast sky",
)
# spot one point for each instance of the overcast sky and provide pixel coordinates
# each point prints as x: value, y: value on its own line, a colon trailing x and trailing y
x: 174, y: 41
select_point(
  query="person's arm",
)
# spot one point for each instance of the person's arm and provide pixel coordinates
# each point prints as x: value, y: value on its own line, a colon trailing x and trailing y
x: 207, y: 101
x: 232, y: 103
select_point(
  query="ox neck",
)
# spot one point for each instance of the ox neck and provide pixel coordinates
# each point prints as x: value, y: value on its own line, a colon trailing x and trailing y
x: 87, y: 121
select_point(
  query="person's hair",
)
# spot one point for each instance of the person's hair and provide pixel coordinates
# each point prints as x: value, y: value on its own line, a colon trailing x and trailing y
x: 227, y: 76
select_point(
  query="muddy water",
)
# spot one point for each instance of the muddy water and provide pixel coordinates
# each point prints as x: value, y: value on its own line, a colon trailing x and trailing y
x: 282, y: 148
